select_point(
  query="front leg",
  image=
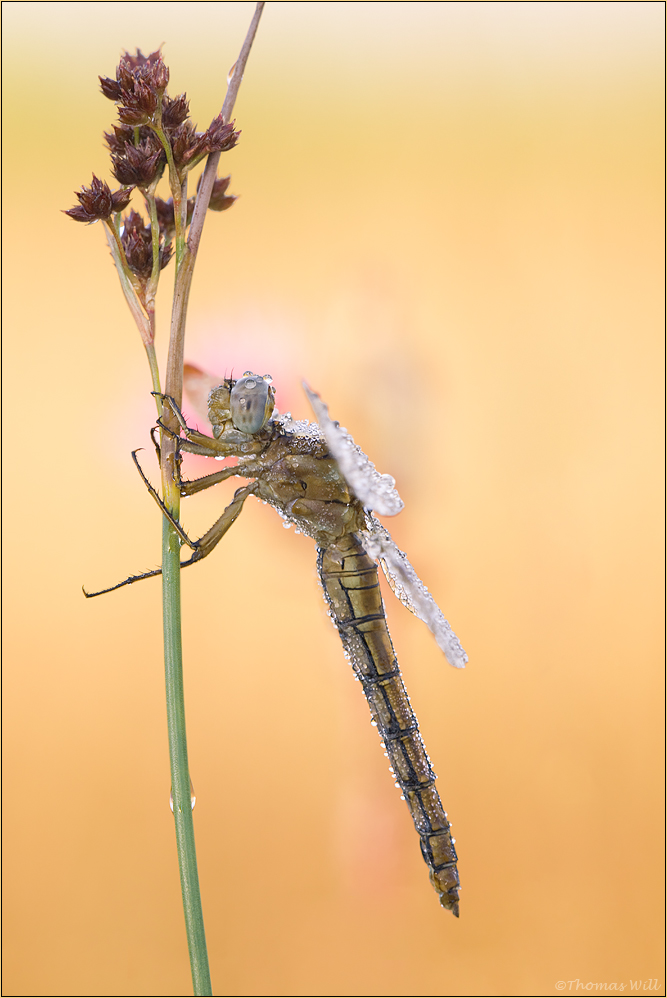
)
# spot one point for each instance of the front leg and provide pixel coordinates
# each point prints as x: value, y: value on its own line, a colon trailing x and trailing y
x: 232, y: 443
x: 196, y: 442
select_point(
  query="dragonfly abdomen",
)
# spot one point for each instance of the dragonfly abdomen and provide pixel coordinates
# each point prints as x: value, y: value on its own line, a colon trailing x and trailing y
x: 350, y: 580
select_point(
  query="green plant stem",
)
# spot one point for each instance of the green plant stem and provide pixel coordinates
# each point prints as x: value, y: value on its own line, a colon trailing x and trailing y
x: 178, y: 751
x: 171, y: 606
x: 155, y: 374
x: 171, y: 592
x: 178, y: 754
x: 178, y: 189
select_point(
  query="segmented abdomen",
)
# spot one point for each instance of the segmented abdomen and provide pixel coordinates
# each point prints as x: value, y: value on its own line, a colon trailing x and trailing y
x: 350, y: 580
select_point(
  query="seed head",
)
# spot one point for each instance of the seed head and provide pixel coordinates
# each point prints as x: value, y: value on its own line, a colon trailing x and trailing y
x: 174, y: 112
x: 97, y: 203
x: 138, y: 245
x: 165, y: 214
x: 138, y: 106
x: 121, y: 134
x: 220, y: 200
x: 138, y: 88
x: 141, y: 164
x: 220, y: 135
x: 183, y: 143
x: 110, y: 88
x: 190, y: 147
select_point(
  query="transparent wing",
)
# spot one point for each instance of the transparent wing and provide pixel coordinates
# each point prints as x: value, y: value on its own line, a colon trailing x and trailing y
x: 373, y: 490
x: 377, y: 492
x: 411, y: 591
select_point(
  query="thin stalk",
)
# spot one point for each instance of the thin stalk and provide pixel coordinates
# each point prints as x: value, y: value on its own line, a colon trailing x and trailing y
x: 171, y: 545
x: 145, y: 321
x: 211, y: 168
x: 178, y: 756
x: 151, y: 289
x: 174, y: 376
x: 177, y: 187
x: 127, y: 283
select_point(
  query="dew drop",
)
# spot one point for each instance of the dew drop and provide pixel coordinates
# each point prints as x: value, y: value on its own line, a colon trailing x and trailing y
x: 193, y: 798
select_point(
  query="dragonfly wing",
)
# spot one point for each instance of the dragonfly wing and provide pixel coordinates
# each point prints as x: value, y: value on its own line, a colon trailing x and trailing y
x: 373, y: 490
x: 409, y: 588
x: 377, y: 492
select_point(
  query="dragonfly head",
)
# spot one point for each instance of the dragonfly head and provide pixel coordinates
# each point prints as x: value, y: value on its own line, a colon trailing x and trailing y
x: 252, y: 402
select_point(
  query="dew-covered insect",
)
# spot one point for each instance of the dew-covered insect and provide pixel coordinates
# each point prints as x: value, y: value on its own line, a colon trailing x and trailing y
x: 316, y: 478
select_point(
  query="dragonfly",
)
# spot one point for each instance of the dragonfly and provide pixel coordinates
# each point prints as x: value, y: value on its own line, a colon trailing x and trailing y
x: 320, y: 481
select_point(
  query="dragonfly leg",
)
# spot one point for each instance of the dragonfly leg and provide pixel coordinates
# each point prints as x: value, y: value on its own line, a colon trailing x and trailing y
x: 201, y: 547
x: 206, y: 481
x: 196, y: 442
x: 125, y: 582
x: 214, y: 534
x: 174, y: 522
x: 156, y: 444
x: 174, y: 408
x: 210, y: 447
x: 199, y: 484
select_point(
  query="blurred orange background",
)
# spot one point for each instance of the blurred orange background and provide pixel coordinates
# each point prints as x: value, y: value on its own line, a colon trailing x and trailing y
x: 450, y: 223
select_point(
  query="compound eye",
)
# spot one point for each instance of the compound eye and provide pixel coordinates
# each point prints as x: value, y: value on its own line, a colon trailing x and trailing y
x: 251, y: 403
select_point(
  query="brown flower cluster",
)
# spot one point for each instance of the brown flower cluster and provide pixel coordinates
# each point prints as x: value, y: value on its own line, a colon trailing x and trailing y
x: 137, y: 155
x: 137, y: 243
x: 139, y: 92
x: 153, y: 129
x: 220, y: 200
x: 97, y: 202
